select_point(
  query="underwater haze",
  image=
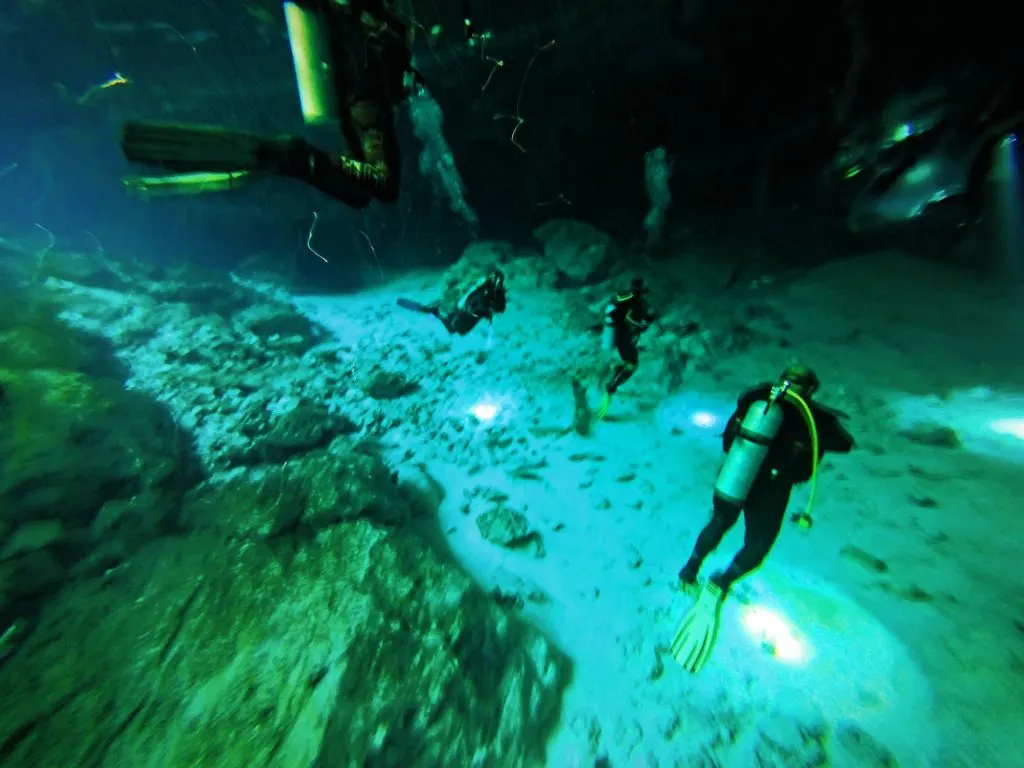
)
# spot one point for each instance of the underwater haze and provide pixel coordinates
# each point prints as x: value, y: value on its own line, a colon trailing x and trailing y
x: 537, y: 385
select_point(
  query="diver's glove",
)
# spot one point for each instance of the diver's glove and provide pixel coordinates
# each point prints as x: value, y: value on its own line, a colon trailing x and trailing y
x: 804, y: 520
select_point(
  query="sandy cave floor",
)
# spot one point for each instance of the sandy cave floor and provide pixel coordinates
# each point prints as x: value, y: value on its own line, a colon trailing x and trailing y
x: 926, y: 656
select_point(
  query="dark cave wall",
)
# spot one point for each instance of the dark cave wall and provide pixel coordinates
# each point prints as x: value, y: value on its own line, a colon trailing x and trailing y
x: 741, y: 94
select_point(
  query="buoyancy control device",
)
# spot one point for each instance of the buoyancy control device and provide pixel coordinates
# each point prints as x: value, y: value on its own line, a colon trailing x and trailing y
x: 753, y: 440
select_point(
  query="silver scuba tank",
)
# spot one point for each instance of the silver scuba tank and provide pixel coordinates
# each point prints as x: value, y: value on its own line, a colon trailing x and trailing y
x: 311, y: 55
x: 759, y: 427
x: 608, y: 339
x: 608, y: 331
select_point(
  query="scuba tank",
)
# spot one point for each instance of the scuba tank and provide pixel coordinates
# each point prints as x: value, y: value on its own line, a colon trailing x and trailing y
x: 748, y: 450
x: 330, y: 43
x: 608, y: 329
x: 314, y: 62
x: 753, y: 440
x: 608, y: 339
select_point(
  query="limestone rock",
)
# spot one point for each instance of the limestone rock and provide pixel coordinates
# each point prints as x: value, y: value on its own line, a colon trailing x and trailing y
x: 932, y: 434
x: 300, y: 430
x: 238, y: 505
x: 359, y: 649
x: 581, y: 253
x: 390, y: 385
x: 275, y: 437
x: 279, y: 323
x: 484, y: 254
x: 71, y: 436
x: 317, y: 491
x: 853, y: 747
x: 206, y: 295
x: 350, y: 486
x: 505, y: 527
x: 30, y: 536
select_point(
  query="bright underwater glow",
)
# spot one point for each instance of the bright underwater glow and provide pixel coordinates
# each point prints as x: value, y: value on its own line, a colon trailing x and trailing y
x: 773, y: 633
x: 1012, y: 427
x: 484, y: 411
x: 703, y: 419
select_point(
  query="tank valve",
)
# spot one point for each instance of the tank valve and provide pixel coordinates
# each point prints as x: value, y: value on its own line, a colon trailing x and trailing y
x: 778, y: 392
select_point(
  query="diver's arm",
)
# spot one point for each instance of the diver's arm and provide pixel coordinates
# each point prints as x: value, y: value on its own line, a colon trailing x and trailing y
x: 633, y: 318
x: 835, y: 438
x: 638, y: 314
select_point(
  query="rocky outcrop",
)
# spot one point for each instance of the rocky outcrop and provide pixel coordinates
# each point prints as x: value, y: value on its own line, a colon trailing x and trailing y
x: 250, y: 377
x: 356, y: 648
x: 311, y: 493
x: 285, y: 597
x: 75, y: 445
x: 582, y: 254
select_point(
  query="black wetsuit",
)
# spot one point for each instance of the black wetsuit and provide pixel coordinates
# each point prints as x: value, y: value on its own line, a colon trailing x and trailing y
x: 627, y: 316
x: 483, y: 300
x: 787, y: 464
x: 368, y: 53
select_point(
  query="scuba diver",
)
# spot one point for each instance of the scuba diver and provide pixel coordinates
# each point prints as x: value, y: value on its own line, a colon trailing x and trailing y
x: 626, y: 317
x: 774, y: 441
x: 353, y: 65
x: 484, y: 299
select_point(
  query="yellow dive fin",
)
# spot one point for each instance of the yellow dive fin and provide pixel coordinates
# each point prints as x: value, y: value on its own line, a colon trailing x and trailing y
x: 187, y: 183
x: 697, y: 634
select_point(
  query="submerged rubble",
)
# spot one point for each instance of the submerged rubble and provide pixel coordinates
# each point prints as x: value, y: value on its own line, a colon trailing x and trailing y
x: 232, y: 554
x: 354, y: 647
x: 292, y: 575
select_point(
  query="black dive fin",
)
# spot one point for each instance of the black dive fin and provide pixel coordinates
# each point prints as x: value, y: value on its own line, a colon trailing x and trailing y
x: 179, y: 147
x: 416, y: 306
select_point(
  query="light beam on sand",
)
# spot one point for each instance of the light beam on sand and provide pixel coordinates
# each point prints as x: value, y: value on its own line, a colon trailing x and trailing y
x: 484, y: 411
x: 774, y: 634
x: 985, y: 421
x: 1012, y: 427
x: 703, y: 419
x: 829, y: 653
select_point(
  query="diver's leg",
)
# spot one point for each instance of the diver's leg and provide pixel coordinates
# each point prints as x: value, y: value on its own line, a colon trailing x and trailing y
x: 446, y: 318
x: 369, y: 130
x: 723, y: 517
x: 622, y: 373
x: 361, y: 79
x: 365, y: 98
x: 762, y: 517
x: 456, y: 322
x: 460, y: 322
x: 372, y: 125
x: 332, y: 175
x: 630, y: 356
